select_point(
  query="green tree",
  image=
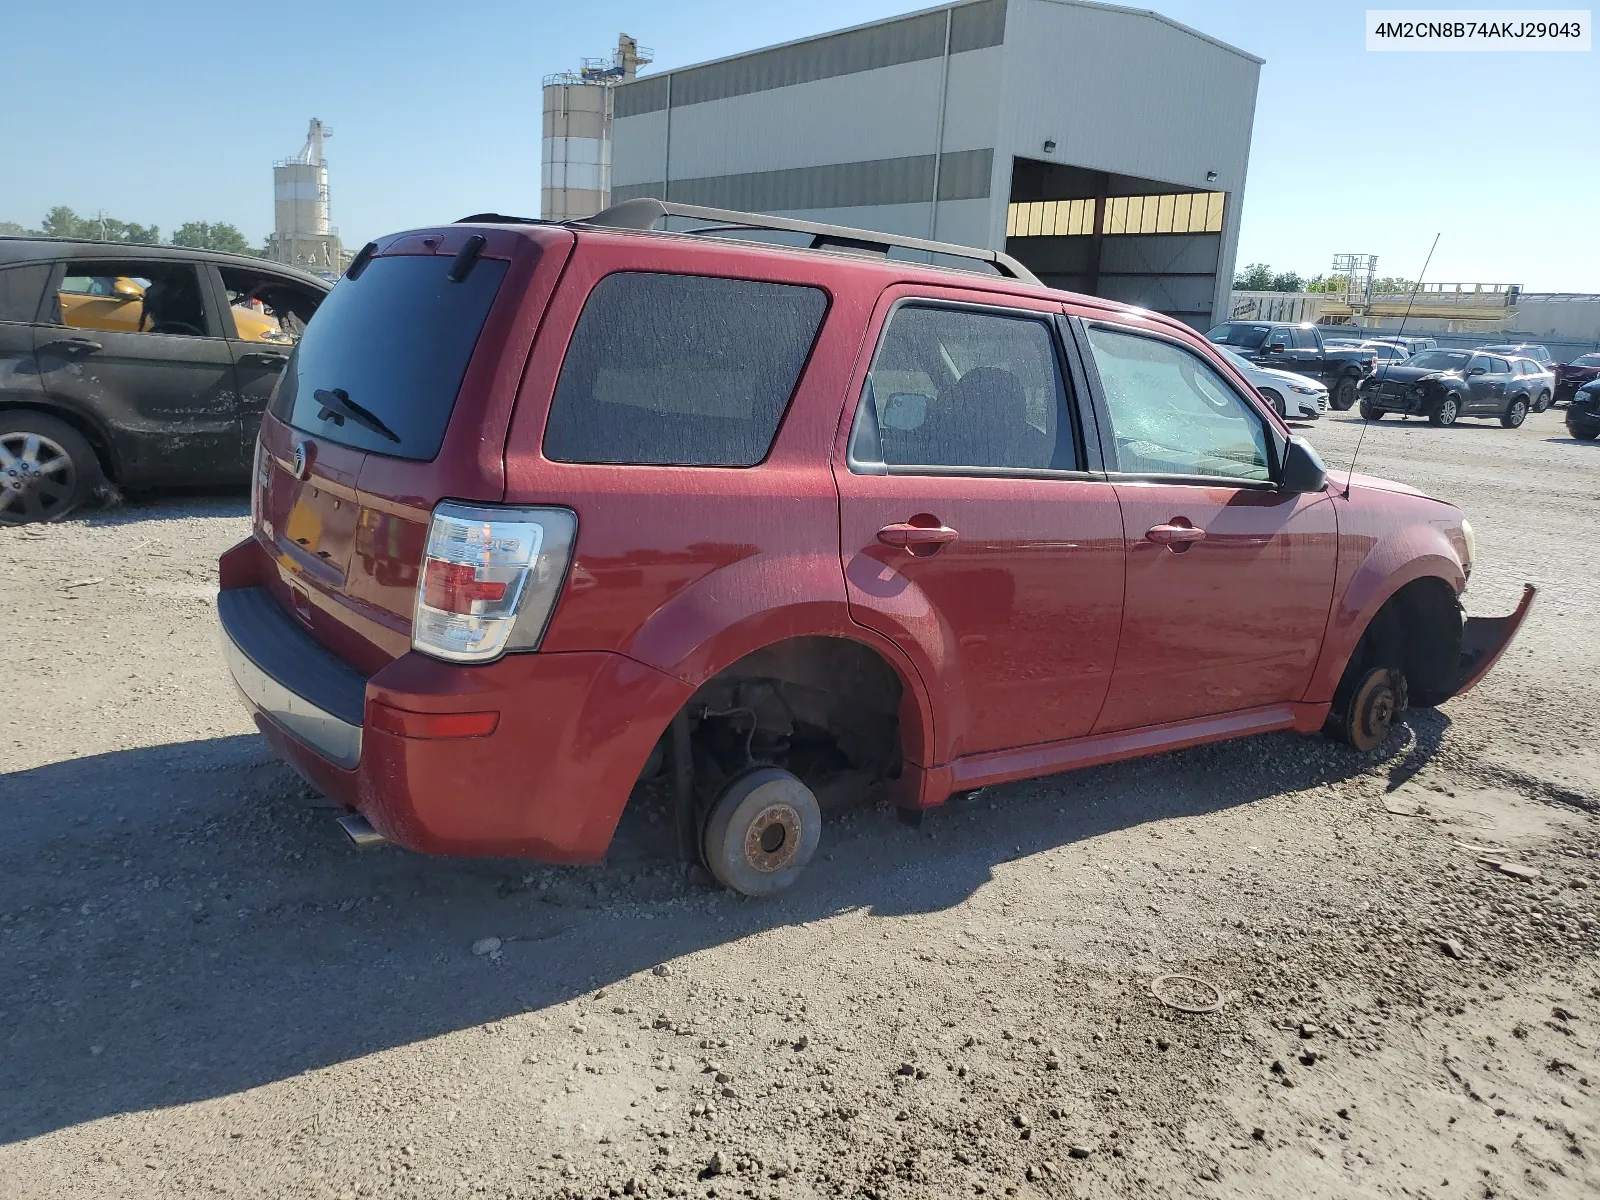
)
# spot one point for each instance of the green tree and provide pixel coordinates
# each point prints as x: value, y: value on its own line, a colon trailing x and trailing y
x: 1317, y: 283
x: 205, y: 235
x: 61, y: 221
x: 1391, y: 285
x: 12, y: 229
x: 1287, y: 281
x: 1257, y: 277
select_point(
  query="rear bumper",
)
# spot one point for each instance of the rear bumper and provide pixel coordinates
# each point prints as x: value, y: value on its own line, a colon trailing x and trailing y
x: 549, y: 782
x: 284, y: 675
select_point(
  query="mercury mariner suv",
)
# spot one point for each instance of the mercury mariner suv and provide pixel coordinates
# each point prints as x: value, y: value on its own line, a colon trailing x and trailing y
x: 788, y: 512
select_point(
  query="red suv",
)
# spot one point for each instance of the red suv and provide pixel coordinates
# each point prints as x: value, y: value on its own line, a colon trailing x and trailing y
x: 543, y: 510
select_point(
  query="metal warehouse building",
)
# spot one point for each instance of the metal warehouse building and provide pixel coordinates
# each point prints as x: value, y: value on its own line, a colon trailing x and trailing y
x: 1105, y: 147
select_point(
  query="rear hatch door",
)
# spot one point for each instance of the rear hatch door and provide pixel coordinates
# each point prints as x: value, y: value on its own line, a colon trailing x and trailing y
x: 398, y: 395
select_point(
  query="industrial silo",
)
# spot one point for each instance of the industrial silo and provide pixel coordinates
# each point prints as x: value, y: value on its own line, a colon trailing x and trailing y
x: 302, y: 235
x: 576, y: 150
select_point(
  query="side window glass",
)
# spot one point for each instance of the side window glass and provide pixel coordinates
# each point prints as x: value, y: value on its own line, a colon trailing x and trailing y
x: 1172, y: 414
x: 1480, y: 362
x: 21, y: 289
x: 1501, y: 366
x: 685, y: 370
x: 1304, y: 339
x: 956, y: 388
x: 134, y: 297
x: 267, y: 308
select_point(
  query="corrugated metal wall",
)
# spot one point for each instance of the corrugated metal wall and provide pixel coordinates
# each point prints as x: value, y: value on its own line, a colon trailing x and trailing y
x: 783, y: 130
x: 853, y: 127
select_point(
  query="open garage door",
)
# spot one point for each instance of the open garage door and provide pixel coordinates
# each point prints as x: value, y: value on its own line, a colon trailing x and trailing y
x: 1140, y: 241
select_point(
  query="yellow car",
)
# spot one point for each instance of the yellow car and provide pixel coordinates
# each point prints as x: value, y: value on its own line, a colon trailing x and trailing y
x: 117, y: 303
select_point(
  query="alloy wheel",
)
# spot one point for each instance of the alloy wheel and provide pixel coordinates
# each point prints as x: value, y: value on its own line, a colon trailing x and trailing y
x: 38, y: 478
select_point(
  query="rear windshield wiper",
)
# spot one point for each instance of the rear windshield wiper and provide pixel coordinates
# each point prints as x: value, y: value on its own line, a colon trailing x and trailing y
x: 338, y: 405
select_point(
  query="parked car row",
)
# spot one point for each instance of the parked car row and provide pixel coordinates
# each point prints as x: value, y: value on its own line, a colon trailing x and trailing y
x: 135, y: 365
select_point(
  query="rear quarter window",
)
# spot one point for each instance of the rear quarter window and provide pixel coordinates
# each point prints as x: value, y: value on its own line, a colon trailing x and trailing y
x: 21, y: 289
x: 681, y: 370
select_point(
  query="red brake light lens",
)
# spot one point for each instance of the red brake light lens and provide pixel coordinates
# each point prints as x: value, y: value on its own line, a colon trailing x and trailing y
x: 456, y: 588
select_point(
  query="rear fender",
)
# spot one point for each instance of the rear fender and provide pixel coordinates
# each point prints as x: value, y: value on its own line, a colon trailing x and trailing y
x: 757, y: 602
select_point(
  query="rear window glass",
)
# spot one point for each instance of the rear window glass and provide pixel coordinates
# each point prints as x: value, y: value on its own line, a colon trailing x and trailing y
x: 681, y: 370
x: 388, y: 349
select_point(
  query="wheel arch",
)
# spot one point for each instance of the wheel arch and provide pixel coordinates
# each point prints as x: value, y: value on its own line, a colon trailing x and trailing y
x: 759, y: 603
x: 1390, y: 566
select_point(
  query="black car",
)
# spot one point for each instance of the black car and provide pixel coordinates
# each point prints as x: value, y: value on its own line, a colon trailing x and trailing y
x: 1583, y: 414
x: 1573, y: 375
x: 1445, y: 384
x: 135, y: 365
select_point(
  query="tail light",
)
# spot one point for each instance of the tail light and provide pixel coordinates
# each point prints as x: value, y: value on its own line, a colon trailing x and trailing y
x: 258, y: 483
x: 489, y: 580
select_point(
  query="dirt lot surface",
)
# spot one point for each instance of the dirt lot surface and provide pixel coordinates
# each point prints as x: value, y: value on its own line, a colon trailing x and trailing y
x: 205, y: 991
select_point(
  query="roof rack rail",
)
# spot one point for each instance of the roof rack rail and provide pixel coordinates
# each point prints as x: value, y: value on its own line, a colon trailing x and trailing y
x: 645, y: 211
x: 492, y: 218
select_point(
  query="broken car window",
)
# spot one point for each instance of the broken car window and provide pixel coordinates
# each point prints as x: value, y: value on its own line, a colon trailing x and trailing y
x: 266, y: 307
x: 1173, y: 415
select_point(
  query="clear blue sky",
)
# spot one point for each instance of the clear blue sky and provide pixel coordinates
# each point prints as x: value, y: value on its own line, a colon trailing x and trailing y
x: 172, y: 112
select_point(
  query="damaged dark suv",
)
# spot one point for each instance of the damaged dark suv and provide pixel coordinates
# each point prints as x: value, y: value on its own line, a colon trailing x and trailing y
x: 136, y: 366
x: 1443, y: 385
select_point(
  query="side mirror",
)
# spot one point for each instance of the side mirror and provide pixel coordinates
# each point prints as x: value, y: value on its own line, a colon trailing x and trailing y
x: 1276, y: 348
x: 1478, y: 371
x: 127, y: 288
x: 1302, y: 468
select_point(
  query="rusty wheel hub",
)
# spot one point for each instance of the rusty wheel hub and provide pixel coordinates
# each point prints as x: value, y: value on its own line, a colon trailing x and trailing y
x: 772, y: 839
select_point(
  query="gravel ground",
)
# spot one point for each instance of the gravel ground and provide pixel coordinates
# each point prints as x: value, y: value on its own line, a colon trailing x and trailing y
x: 205, y: 991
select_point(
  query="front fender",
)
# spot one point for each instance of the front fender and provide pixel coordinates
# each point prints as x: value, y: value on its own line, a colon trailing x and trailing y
x: 1372, y: 568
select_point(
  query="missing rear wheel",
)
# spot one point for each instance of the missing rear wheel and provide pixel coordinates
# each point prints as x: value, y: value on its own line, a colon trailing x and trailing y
x: 762, y: 832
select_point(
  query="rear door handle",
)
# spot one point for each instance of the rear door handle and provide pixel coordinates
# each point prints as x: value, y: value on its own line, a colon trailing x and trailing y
x: 265, y: 358
x: 84, y: 344
x: 1174, y: 534
x: 924, y: 538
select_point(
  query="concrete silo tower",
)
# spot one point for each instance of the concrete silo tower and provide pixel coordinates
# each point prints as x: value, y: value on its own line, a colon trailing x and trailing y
x: 576, y: 150
x: 301, y: 234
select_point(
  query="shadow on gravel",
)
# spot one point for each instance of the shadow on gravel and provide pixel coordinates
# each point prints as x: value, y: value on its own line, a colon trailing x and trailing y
x: 176, y: 924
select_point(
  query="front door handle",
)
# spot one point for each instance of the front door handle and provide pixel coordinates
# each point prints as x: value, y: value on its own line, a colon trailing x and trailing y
x: 1177, y: 535
x: 265, y: 358
x: 919, y: 539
